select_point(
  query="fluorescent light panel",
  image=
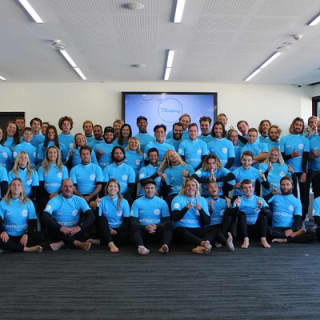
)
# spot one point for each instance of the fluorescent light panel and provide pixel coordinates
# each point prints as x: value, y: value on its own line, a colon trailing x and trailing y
x: 31, y: 11
x: 3, y: 78
x: 274, y: 56
x: 170, y: 58
x: 74, y: 66
x: 179, y: 11
x: 314, y: 21
x: 167, y: 73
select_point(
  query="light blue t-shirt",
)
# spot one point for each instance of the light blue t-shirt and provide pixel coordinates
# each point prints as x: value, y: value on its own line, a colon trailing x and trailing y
x: 315, y: 146
x: 192, y: 217
x: 316, y: 207
x: 174, y: 143
x: 108, y: 208
x: 66, y: 211
x: 161, y: 147
x: 219, y: 207
x: 105, y: 158
x: 144, y: 139
x: 66, y: 140
x: 27, y: 147
x: 15, y: 216
x: 222, y: 148
x: 53, y: 177
x: 149, y: 210
x: 174, y: 177
x: 6, y: 159
x: 284, y: 207
x: 256, y: 148
x: 134, y: 160
x: 28, y: 182
x: 208, y: 138
x: 76, y: 159
x: 146, y: 172
x: 37, y: 139
x: 42, y: 151
x: 241, y: 174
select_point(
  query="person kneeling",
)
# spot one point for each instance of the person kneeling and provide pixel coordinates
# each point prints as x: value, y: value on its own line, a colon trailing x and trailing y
x: 66, y: 218
x: 253, y: 212
x: 18, y: 220
x: 151, y: 219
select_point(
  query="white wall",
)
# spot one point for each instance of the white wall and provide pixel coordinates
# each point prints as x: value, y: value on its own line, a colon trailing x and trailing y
x: 101, y: 102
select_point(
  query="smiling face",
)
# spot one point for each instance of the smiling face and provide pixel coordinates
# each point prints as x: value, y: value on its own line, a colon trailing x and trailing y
x: 177, y: 132
x: 112, y: 189
x: 247, y: 189
x: 80, y: 140
x: 51, y: 134
x: 142, y: 125
x: 274, y: 134
x: 67, y: 188
x: 243, y: 128
x: 218, y: 130
x: 108, y: 136
x: 173, y: 157
x: 97, y: 132
x: 52, y: 154
x: 297, y: 127
x: 252, y: 136
x: 125, y: 131
x: 234, y: 138
x: 150, y: 190
x: 286, y: 186
x: 118, y: 155
x: 11, y: 129
x: 160, y: 134
x: 88, y: 128
x: 265, y: 128
x: 185, y: 120
x: 16, y: 189
x: 153, y: 158
x: 133, y: 144
x: 193, y: 133
x: 191, y: 189
x: 36, y: 126
x: 23, y: 160
x: 246, y: 161
x: 274, y: 156
x: 66, y: 126
x: 85, y: 155
x: 27, y: 135
x: 205, y: 127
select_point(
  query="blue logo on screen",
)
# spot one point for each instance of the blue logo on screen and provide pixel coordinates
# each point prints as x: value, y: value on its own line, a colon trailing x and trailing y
x: 170, y: 110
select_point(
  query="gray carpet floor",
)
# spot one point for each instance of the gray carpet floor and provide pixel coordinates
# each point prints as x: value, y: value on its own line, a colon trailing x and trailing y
x: 277, y: 283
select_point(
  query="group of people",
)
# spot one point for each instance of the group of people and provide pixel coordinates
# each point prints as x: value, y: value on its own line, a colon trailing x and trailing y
x: 203, y: 184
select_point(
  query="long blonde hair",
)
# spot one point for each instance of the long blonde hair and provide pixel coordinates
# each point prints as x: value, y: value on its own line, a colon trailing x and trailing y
x: 137, y: 141
x: 46, y: 164
x: 166, y: 161
x: 280, y: 158
x: 186, y: 181
x: 23, y: 198
x: 15, y: 168
x: 120, y: 196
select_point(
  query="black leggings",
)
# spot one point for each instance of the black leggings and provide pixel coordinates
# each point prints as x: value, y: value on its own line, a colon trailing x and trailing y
x: 122, y: 236
x: 214, y: 233
x: 304, y: 194
x: 190, y: 235
x: 163, y: 234
x: 13, y: 244
x: 278, y: 232
x: 260, y: 227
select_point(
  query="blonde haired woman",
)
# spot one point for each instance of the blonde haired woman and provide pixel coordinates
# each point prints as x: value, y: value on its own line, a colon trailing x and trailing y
x: 134, y: 156
x: 190, y: 214
x: 29, y: 177
x: 17, y: 220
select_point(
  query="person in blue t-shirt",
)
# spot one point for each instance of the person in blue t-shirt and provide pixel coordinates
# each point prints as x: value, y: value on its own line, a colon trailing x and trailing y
x: 263, y: 129
x: 143, y: 136
x: 173, y: 172
x: 65, y: 137
x: 287, y: 216
x: 177, y: 130
x: 220, y: 146
x: 274, y: 134
x: 212, y: 171
x: 243, y: 127
x: 66, y: 219
x: 190, y: 214
x: 259, y: 150
x: 160, y: 144
x: 26, y: 146
x: 98, y: 136
x: 151, y: 171
x: 87, y: 177
x: 22, y: 169
x: 221, y: 218
x: 104, y: 148
x: 38, y: 137
x: 205, y: 127
x: 185, y: 120
x: 193, y: 150
x: 123, y: 173
x: 295, y: 152
x: 11, y: 135
x: 274, y: 169
x: 51, y: 139
x: 87, y: 127
x: 314, y: 158
x: 125, y: 135
x: 18, y: 220
x: 134, y: 156
x: 253, y: 213
x: 113, y: 217
x: 51, y: 174
x: 6, y: 159
x: 246, y: 171
x: 150, y: 218
x: 233, y: 136
x: 74, y: 154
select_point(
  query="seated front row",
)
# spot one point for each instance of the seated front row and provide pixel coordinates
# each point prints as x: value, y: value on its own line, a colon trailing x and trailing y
x: 67, y: 220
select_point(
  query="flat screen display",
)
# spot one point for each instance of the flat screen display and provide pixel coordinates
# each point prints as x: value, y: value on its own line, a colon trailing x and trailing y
x: 166, y: 107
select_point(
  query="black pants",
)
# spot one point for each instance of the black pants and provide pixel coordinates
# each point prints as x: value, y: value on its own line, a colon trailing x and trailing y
x: 122, y: 236
x: 304, y: 194
x: 258, y: 229
x: 315, y: 179
x: 163, y: 234
x: 13, y: 244
x: 190, y: 235
x: 214, y: 233
x: 169, y: 198
x: 278, y: 232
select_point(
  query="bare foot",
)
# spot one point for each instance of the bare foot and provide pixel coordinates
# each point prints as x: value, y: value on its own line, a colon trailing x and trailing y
x: 55, y: 246
x: 199, y: 250
x: 245, y: 243
x: 83, y: 245
x: 229, y: 243
x: 94, y: 241
x: 38, y: 249
x: 298, y: 233
x: 264, y: 242
x: 164, y: 249
x: 207, y: 246
x: 143, y: 251
x: 276, y: 240
x: 113, y: 248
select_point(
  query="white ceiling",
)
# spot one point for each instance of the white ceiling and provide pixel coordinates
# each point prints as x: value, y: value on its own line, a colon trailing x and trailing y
x: 218, y: 40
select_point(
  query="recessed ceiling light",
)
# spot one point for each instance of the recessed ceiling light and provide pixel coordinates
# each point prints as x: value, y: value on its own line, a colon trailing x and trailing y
x: 27, y: 6
x: 134, y: 5
x: 3, y: 78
